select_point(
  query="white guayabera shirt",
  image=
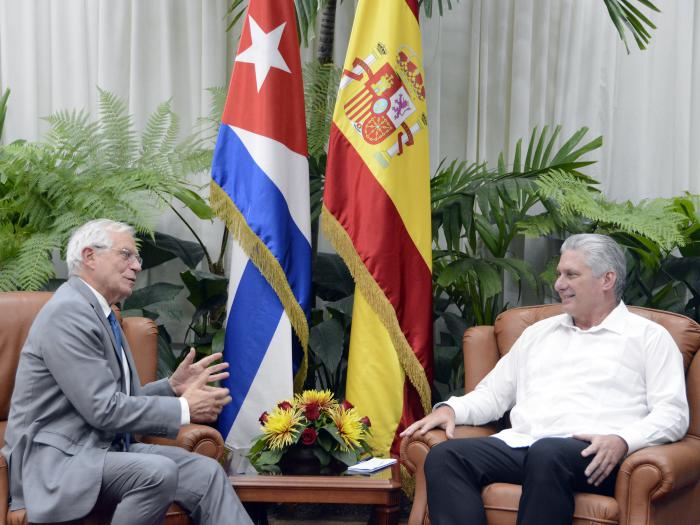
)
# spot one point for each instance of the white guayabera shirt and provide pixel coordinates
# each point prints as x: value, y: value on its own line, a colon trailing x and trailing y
x: 624, y: 376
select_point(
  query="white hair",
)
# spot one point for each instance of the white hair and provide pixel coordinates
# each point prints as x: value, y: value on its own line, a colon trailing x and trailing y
x: 602, y: 255
x: 95, y: 234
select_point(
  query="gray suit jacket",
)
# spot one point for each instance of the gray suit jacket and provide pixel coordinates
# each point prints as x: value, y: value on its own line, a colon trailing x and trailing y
x: 69, y: 403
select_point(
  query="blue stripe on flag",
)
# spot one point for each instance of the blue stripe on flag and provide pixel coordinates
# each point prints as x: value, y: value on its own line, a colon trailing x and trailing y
x: 265, y: 210
x: 253, y: 318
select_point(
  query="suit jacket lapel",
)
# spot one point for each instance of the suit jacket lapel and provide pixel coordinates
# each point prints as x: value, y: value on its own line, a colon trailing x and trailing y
x: 111, y: 354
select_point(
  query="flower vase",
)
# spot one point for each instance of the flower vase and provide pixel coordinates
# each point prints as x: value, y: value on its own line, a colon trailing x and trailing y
x: 300, y: 461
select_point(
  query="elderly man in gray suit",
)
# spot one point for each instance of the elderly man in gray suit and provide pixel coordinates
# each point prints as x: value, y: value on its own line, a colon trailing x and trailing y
x: 78, y: 398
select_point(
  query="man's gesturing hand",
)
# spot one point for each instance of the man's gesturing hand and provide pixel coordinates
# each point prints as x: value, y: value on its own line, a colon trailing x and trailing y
x: 205, y: 401
x: 443, y: 417
x: 189, y: 371
x: 608, y: 450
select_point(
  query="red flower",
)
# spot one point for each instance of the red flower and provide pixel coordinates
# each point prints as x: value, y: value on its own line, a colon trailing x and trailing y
x: 308, y: 436
x: 263, y: 418
x: 366, y: 422
x: 312, y: 412
x: 347, y: 405
x: 284, y: 405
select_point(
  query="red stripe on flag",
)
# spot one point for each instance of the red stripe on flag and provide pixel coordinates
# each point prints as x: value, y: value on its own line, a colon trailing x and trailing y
x: 364, y: 103
x: 412, y: 411
x: 360, y: 117
x: 369, y: 216
x: 413, y: 6
x: 266, y: 112
x: 364, y: 94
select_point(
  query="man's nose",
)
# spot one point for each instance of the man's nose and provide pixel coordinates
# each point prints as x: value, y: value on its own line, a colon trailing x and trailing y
x: 559, y: 283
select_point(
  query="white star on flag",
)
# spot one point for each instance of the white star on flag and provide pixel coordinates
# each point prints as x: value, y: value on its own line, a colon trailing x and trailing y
x: 264, y: 51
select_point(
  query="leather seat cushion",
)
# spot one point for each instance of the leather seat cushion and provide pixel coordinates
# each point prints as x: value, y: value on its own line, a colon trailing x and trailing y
x: 501, y: 503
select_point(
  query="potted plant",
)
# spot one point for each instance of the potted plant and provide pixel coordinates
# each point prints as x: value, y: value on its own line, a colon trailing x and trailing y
x: 309, y: 434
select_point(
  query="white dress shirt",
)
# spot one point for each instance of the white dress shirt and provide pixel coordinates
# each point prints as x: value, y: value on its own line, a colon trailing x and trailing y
x: 106, y: 310
x: 624, y: 376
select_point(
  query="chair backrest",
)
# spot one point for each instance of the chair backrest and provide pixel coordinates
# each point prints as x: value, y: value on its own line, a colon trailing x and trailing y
x: 685, y: 332
x: 17, y: 313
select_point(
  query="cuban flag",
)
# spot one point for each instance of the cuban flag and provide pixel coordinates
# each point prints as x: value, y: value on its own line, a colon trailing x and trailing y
x: 260, y: 188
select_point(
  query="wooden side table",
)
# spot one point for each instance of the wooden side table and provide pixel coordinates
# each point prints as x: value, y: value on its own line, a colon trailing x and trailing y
x: 381, y: 489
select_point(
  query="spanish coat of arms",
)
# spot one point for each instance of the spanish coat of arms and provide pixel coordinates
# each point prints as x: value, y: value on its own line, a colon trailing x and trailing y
x: 381, y: 104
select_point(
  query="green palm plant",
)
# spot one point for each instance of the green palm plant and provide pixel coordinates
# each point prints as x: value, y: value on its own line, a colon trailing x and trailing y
x: 3, y: 109
x: 661, y: 238
x: 658, y: 221
x: 86, y: 169
x: 628, y: 15
x: 477, y: 212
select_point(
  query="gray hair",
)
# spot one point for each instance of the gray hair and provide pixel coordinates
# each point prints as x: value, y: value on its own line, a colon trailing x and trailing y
x: 94, y: 233
x: 602, y: 255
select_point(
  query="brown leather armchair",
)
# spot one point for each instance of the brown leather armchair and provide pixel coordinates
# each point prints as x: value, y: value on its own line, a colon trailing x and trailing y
x: 17, y: 312
x: 657, y: 485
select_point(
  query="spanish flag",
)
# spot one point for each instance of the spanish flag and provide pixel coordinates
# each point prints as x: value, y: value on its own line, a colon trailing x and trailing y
x: 376, y: 213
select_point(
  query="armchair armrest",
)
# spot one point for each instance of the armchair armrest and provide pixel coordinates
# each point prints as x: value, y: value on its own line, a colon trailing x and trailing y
x: 4, y: 490
x: 195, y: 438
x: 414, y: 450
x: 654, y: 473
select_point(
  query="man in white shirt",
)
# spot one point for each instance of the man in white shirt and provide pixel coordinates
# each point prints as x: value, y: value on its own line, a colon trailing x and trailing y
x: 78, y: 400
x: 584, y: 388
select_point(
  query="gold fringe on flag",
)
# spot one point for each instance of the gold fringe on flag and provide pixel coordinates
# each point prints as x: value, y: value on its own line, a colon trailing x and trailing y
x: 269, y: 267
x: 376, y: 298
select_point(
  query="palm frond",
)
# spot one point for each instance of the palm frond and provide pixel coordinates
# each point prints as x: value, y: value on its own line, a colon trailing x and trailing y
x: 160, y: 132
x: 654, y: 219
x: 307, y: 13
x: 3, y: 108
x: 537, y: 225
x: 207, y: 128
x: 235, y: 11
x: 117, y: 129
x: 84, y: 170
x: 626, y: 16
x: 34, y: 261
x: 320, y: 90
x: 502, y: 196
x: 428, y: 6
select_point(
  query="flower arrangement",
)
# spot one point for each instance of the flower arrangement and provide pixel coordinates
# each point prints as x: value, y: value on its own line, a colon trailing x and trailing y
x: 312, y: 424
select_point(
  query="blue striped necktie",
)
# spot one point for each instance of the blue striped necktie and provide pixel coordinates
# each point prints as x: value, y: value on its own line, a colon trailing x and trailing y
x: 126, y: 437
x: 117, y: 334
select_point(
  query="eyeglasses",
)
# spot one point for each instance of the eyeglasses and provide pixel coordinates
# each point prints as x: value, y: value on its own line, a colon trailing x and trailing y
x: 125, y: 253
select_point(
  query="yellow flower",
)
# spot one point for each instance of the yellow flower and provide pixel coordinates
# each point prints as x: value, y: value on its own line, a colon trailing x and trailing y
x: 282, y: 427
x: 322, y: 398
x: 349, y: 426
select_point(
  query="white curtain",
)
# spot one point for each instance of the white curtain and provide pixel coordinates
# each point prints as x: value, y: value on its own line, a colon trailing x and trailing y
x: 494, y: 70
x: 55, y: 54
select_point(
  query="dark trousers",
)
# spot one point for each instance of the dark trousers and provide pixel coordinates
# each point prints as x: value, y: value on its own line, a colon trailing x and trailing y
x: 550, y: 471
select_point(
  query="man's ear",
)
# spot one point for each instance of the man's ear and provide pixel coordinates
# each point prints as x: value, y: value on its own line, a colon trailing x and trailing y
x: 609, y: 280
x: 88, y: 256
